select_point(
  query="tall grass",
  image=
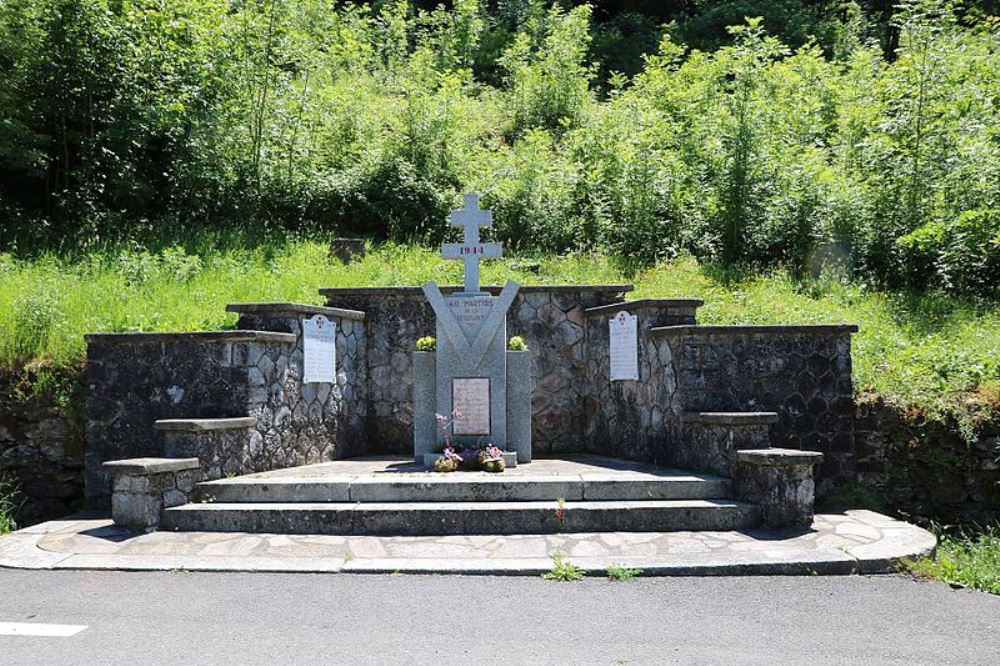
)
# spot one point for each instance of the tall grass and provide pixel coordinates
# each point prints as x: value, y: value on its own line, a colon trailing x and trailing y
x: 917, y: 347
x: 7, y: 504
x: 967, y: 559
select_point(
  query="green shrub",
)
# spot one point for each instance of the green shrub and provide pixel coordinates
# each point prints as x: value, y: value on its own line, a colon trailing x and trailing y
x: 426, y: 344
x: 549, y: 79
x: 516, y: 343
x: 962, y: 256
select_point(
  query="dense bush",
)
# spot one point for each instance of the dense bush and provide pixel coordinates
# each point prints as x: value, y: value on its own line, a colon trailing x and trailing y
x: 801, y: 140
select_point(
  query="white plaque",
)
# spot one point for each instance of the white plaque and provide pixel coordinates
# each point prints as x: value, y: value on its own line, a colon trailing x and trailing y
x: 470, y: 398
x: 624, y: 347
x: 319, y: 342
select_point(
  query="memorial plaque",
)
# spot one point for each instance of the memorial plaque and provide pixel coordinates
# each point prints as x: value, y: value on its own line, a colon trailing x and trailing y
x: 624, y: 347
x: 470, y: 398
x: 470, y: 312
x: 319, y: 343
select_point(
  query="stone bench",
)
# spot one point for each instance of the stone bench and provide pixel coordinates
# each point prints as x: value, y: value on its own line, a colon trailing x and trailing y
x: 225, y: 446
x: 144, y: 487
x: 780, y: 481
x: 709, y: 440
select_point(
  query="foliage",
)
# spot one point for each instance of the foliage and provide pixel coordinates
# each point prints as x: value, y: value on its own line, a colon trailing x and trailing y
x: 962, y: 255
x: 787, y: 139
x: 428, y: 343
x: 967, y: 558
x: 562, y: 569
x: 516, y: 343
x: 8, y: 505
x: 623, y: 574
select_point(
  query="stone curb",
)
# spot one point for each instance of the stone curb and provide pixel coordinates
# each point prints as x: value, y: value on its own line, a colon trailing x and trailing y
x: 192, y: 337
x: 752, y: 329
x: 20, y: 550
x: 493, y: 289
x: 645, y: 304
x: 205, y: 425
x: 276, y: 309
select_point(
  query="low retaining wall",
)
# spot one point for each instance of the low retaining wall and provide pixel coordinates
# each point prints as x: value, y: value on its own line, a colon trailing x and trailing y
x: 923, y: 466
x: 41, y: 451
x: 136, y: 379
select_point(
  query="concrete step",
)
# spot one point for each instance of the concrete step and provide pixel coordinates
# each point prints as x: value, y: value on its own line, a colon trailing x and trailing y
x: 467, y: 487
x: 455, y: 518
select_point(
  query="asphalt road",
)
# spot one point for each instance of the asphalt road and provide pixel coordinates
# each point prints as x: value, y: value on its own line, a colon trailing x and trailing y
x: 201, y: 618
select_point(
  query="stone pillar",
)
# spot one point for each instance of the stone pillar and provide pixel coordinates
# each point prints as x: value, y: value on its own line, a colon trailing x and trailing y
x: 780, y: 481
x: 519, y: 404
x: 144, y: 487
x: 424, y: 398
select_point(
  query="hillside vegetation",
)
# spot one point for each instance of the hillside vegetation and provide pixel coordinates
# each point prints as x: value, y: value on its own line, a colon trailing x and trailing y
x: 923, y: 349
x: 823, y: 136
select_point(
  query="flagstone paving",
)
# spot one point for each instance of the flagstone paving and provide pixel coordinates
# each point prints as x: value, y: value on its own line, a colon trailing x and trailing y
x: 853, y: 542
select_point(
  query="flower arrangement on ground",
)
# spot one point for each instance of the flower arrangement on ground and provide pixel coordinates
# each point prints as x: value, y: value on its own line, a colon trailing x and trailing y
x: 488, y: 457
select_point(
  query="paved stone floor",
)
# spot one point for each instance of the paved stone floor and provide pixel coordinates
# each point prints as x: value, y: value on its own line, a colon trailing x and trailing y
x: 854, y: 542
x: 573, y: 465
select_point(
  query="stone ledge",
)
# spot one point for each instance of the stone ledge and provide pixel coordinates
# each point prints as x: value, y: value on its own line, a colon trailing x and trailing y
x: 277, y: 309
x: 754, y: 329
x: 493, y: 289
x: 192, y: 337
x: 730, y: 418
x: 646, y: 304
x: 778, y: 457
x: 65, y: 544
x: 205, y: 425
x: 147, y: 466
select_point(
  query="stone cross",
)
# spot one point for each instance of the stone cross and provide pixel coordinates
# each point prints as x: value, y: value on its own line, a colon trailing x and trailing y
x: 470, y: 218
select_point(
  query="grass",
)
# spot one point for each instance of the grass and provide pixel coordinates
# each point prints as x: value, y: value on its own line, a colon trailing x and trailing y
x: 562, y: 569
x: 623, y: 574
x: 916, y: 347
x: 7, y: 505
x: 965, y: 559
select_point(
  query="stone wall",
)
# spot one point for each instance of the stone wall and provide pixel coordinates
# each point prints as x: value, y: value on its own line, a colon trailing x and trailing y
x: 41, y: 451
x: 549, y: 318
x: 803, y: 373
x: 136, y: 379
x: 308, y: 423
x: 922, y: 465
x: 625, y: 418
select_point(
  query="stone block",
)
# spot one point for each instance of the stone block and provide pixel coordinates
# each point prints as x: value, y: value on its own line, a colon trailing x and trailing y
x: 780, y: 481
x: 144, y: 487
x: 519, y: 390
x: 424, y: 397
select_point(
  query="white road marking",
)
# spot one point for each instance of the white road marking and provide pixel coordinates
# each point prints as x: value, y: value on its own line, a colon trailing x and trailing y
x: 39, y: 629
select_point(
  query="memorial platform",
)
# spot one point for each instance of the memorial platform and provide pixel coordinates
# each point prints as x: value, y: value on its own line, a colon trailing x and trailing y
x: 394, y: 496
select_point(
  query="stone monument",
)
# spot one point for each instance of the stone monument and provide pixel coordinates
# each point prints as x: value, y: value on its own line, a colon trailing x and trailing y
x: 472, y: 379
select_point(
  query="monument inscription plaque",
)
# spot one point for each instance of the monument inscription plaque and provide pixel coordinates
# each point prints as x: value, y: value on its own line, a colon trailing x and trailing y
x: 471, y: 402
x: 624, y: 352
x: 319, y: 350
